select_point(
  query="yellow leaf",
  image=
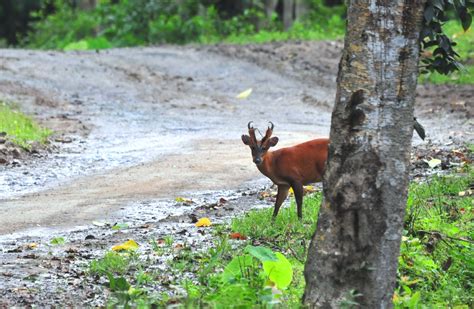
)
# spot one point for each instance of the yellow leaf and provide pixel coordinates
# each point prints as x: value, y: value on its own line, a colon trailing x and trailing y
x: 32, y: 245
x: 433, y: 162
x: 128, y: 245
x: 203, y: 222
x: 245, y: 94
x: 183, y: 200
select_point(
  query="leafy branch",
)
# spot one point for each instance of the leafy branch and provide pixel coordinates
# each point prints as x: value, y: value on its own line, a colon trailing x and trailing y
x: 444, y: 58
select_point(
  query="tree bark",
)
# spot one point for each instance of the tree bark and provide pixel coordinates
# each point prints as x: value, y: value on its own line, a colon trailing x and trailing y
x: 353, y: 255
x: 288, y: 6
x: 301, y: 9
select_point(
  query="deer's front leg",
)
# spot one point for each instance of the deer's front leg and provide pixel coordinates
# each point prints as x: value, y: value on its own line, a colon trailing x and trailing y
x: 281, y: 197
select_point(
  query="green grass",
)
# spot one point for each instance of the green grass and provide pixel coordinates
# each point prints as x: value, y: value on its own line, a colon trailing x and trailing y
x: 20, y: 128
x: 436, y: 264
x: 465, y: 49
x: 333, y: 30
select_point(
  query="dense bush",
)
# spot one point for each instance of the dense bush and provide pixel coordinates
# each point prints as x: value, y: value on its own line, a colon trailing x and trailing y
x: 140, y: 22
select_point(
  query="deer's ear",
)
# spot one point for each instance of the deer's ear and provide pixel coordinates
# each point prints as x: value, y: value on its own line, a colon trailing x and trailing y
x: 273, y: 141
x: 246, y: 139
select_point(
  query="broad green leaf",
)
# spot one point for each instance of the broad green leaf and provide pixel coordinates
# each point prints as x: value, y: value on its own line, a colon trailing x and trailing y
x: 261, y: 253
x: 279, y: 272
x: 234, y: 269
x: 58, y: 241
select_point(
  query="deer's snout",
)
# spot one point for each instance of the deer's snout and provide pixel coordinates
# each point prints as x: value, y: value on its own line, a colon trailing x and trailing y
x: 257, y: 161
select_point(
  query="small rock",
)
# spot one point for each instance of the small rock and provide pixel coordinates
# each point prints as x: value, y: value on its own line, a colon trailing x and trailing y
x: 3, y: 160
x: 35, y: 147
x: 2, y: 140
x: 63, y: 139
x: 15, y: 153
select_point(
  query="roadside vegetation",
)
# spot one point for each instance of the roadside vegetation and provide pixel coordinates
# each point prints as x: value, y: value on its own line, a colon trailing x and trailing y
x: 256, y: 264
x: 19, y: 128
x: 135, y: 23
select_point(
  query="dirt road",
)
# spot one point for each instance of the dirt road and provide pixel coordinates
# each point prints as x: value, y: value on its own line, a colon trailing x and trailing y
x: 146, y: 123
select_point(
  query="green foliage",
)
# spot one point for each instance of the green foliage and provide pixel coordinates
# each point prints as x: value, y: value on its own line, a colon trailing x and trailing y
x: 111, y: 263
x: 140, y: 22
x: 65, y: 26
x: 20, y: 129
x: 444, y: 58
x: 436, y: 262
x: 58, y: 241
x: 465, y: 49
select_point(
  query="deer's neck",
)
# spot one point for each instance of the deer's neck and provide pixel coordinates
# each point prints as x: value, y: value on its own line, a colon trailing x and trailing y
x: 266, y: 167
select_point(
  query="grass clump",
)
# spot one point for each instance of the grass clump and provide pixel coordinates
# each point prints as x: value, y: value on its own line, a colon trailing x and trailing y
x: 436, y: 261
x: 20, y: 128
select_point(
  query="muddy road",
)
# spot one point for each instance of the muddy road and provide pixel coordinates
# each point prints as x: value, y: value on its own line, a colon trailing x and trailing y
x: 144, y: 123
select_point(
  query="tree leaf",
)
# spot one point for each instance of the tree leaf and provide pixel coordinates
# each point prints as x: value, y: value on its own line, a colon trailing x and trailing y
x: 279, y: 272
x: 184, y: 200
x: 261, y: 253
x: 466, y: 19
x: 237, y: 236
x: 234, y: 269
x: 119, y: 226
x: 429, y: 13
x: 433, y: 162
x: 128, y: 245
x: 439, y: 4
x: 203, y: 222
x: 245, y: 94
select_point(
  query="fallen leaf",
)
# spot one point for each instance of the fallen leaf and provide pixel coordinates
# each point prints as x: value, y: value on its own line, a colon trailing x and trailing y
x: 203, y: 222
x: 466, y: 193
x: 98, y: 223
x: 237, y: 236
x: 128, y: 245
x: 32, y: 246
x: 222, y: 200
x: 244, y: 94
x: 184, y: 200
x: 433, y: 162
x: 119, y: 226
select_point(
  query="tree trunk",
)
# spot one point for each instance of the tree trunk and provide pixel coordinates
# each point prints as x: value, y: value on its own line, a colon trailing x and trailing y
x: 353, y: 255
x: 270, y: 6
x: 288, y: 6
x: 86, y: 4
x: 301, y: 9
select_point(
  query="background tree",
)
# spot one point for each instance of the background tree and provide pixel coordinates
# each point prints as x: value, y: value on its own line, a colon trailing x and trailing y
x: 353, y: 254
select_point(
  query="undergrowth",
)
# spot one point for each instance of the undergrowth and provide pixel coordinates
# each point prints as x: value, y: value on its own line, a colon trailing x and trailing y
x: 145, y: 22
x: 20, y: 128
x: 436, y: 264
